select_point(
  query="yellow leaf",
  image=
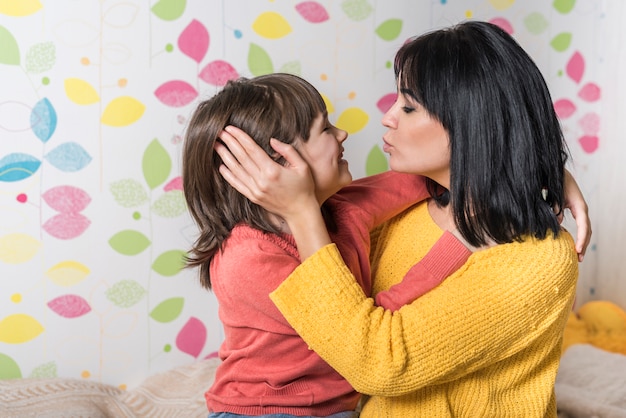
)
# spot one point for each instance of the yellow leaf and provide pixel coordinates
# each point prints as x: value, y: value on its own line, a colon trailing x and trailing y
x: 329, y: 105
x: 18, y: 248
x: 81, y: 92
x: 68, y: 273
x: 352, y: 120
x: 19, y: 7
x: 501, y: 4
x: 123, y: 111
x: 271, y: 25
x: 19, y: 328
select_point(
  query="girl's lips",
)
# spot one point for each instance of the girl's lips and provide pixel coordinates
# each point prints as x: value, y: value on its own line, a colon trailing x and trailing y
x: 386, y: 146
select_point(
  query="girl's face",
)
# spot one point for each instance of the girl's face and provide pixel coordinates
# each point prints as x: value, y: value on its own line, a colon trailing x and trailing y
x: 416, y: 142
x: 324, y: 154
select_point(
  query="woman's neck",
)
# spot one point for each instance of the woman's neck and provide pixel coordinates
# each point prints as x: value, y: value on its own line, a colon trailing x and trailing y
x: 280, y: 223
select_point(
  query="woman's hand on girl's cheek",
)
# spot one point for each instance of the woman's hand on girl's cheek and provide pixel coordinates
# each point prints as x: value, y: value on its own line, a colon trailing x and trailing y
x: 279, y: 189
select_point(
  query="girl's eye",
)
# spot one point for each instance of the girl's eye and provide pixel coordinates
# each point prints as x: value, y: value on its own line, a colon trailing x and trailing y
x: 407, y: 109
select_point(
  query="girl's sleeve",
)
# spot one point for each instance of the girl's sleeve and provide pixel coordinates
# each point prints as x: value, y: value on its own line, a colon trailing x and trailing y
x: 443, y: 259
x: 380, y: 197
x: 499, y: 303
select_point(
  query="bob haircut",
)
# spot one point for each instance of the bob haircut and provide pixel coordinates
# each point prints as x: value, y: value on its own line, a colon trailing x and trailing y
x: 506, y: 143
x: 281, y: 106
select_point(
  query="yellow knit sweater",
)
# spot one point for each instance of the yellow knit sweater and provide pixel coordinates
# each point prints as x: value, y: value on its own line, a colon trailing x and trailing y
x: 485, y: 343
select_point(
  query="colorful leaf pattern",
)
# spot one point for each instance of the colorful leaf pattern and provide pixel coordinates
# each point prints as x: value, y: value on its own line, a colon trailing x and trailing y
x: 121, y: 281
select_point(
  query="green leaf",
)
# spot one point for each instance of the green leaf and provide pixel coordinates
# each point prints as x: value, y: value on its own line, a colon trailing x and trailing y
x: 390, y: 29
x: 536, y: 23
x: 170, y: 204
x: 45, y: 370
x: 376, y: 162
x: 9, y: 51
x: 129, y: 242
x: 291, y: 67
x: 156, y: 164
x: 564, y: 6
x: 357, y: 9
x: 169, y: 9
x: 40, y: 58
x: 168, y: 310
x: 125, y: 293
x: 561, y: 42
x: 169, y: 263
x: 129, y: 193
x: 8, y: 367
x: 259, y: 61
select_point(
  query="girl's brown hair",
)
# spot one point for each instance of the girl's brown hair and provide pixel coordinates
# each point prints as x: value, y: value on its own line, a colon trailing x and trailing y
x: 281, y: 106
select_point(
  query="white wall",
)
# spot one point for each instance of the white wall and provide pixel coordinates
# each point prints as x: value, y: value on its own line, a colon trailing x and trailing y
x: 74, y: 303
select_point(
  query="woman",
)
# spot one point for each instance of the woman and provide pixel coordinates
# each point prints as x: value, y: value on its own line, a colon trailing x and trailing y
x: 474, y: 115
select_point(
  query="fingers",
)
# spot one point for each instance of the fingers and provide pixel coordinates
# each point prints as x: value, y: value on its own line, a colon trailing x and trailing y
x: 580, y: 213
x: 575, y: 202
x: 583, y: 235
x: 291, y: 155
x: 241, y: 147
x: 229, y: 168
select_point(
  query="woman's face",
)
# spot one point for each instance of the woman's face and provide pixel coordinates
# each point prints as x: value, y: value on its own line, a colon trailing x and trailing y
x: 416, y: 142
x: 323, y: 153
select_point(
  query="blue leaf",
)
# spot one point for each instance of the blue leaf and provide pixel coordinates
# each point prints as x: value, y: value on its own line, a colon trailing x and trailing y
x: 43, y: 120
x: 17, y: 166
x: 69, y: 157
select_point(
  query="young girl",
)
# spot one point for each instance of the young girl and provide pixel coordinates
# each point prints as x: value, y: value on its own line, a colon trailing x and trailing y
x: 244, y: 252
x: 474, y: 115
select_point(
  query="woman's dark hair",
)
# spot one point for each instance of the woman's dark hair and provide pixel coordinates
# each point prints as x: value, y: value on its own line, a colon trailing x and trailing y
x: 506, y: 143
x: 281, y: 106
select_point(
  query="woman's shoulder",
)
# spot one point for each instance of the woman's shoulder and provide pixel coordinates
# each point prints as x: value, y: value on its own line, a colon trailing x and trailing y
x: 551, y: 256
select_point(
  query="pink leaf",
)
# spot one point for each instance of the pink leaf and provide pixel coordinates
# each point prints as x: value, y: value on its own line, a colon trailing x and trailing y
x: 312, y: 11
x: 590, y: 92
x: 69, y: 306
x: 174, y: 184
x: 564, y: 108
x: 576, y: 67
x: 218, y: 73
x: 66, y: 225
x: 66, y: 199
x: 176, y: 93
x: 504, y: 24
x: 192, y: 337
x: 590, y: 123
x: 589, y: 143
x: 385, y: 102
x: 194, y: 41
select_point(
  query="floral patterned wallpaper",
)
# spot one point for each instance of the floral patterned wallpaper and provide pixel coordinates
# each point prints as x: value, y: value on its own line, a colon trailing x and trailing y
x: 94, y: 98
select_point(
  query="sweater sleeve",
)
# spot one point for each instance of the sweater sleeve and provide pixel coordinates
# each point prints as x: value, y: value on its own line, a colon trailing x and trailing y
x: 502, y: 301
x: 380, y: 197
x: 445, y: 257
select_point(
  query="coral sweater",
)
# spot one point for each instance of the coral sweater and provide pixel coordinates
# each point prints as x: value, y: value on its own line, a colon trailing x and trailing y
x: 484, y: 343
x: 267, y: 368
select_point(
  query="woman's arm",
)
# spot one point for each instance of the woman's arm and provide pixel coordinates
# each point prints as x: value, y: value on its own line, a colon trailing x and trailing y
x: 288, y: 191
x: 506, y: 300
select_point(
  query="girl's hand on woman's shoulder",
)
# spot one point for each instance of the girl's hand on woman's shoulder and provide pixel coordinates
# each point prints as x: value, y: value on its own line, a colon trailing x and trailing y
x: 575, y: 202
